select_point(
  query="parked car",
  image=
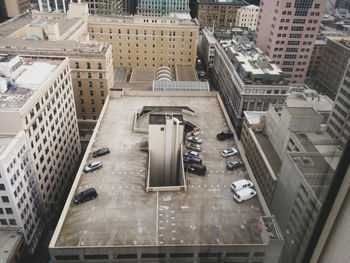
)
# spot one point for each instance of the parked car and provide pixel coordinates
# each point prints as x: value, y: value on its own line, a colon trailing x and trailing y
x: 85, y: 195
x: 229, y: 152
x: 241, y: 184
x: 224, y: 135
x: 195, y: 131
x: 192, y: 159
x: 100, y: 152
x: 194, y: 146
x: 93, y: 166
x: 234, y: 164
x: 202, y: 74
x: 194, y: 139
x: 244, y: 194
x: 191, y: 153
x: 196, y: 168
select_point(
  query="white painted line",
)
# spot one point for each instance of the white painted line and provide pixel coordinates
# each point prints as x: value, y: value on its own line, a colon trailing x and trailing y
x: 162, y: 227
x: 160, y: 214
x: 173, y: 231
x: 172, y: 211
x: 173, y: 238
x: 157, y: 218
x: 173, y: 217
x: 161, y: 235
x: 173, y: 224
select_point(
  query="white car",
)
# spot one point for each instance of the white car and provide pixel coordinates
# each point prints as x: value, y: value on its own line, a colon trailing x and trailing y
x: 244, y: 194
x: 229, y: 152
x: 194, y: 146
x: 241, y: 184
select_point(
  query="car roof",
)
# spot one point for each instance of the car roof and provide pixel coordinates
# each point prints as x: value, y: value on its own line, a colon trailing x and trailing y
x: 95, y: 163
x: 241, y: 182
x: 246, y: 192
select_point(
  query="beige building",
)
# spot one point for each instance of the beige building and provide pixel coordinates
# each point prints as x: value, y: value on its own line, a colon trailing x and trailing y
x: 247, y: 16
x: 334, y: 62
x: 144, y: 41
x: 40, y: 101
x: 90, y: 61
x: 216, y: 13
x: 316, y: 57
x: 12, y: 8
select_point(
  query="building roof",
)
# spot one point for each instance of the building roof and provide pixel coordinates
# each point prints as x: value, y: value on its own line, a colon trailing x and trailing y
x: 185, y: 73
x: 4, y: 142
x: 298, y: 112
x: 33, y: 73
x: 9, y: 240
x: 254, y: 117
x: 205, y: 214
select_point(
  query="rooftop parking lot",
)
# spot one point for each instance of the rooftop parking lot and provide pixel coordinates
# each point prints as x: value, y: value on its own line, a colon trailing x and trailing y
x: 123, y: 214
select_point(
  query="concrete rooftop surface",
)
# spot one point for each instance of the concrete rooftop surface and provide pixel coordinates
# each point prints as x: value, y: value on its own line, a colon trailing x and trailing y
x: 123, y: 214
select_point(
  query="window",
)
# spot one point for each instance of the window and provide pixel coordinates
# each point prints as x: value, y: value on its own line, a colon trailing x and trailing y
x: 9, y: 211
x: 5, y: 199
x: 88, y: 66
x: 2, y: 187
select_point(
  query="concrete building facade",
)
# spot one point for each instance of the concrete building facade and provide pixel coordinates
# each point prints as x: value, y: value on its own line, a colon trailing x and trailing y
x: 247, y: 16
x: 339, y: 121
x: 288, y: 35
x: 162, y: 8
x: 334, y: 62
x: 45, y: 110
x: 316, y: 58
x: 216, y: 13
x: 143, y: 41
x: 244, y: 76
x: 21, y: 207
x: 12, y: 8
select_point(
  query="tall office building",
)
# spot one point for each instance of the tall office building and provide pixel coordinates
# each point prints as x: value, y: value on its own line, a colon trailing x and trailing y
x: 286, y: 32
x: 247, y: 16
x: 162, y: 8
x: 55, y: 5
x: 12, y: 8
x: 37, y: 97
x: 339, y: 121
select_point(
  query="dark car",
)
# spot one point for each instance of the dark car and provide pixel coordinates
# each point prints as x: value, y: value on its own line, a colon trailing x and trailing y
x: 100, y: 152
x: 196, y: 168
x: 224, y: 135
x: 234, y: 164
x: 192, y: 159
x: 191, y: 153
x: 85, y: 195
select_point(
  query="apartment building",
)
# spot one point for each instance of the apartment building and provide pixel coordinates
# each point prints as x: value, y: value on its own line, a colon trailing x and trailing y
x: 286, y: 32
x: 12, y: 8
x: 334, y: 63
x: 338, y: 123
x: 316, y: 57
x: 21, y: 208
x: 143, y: 41
x: 247, y: 16
x: 162, y: 8
x: 216, y: 13
x: 91, y: 62
x: 40, y: 102
x: 245, y: 77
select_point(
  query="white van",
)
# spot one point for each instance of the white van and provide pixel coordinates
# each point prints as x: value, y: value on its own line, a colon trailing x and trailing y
x: 241, y: 184
x: 244, y: 194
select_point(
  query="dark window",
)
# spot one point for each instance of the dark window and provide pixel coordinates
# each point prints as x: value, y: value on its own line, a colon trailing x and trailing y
x: 181, y: 255
x: 126, y: 256
x: 68, y: 257
x: 95, y: 256
x: 155, y: 255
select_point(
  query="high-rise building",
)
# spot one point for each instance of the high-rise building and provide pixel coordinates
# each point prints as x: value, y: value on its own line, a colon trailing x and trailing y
x: 247, y: 16
x: 286, y: 32
x: 344, y: 4
x: 91, y: 62
x: 244, y: 75
x: 37, y: 97
x: 333, y: 63
x: 162, y: 7
x: 20, y: 206
x: 55, y: 5
x: 12, y: 8
x: 144, y: 41
x: 339, y: 121
x: 216, y: 13
x: 316, y: 57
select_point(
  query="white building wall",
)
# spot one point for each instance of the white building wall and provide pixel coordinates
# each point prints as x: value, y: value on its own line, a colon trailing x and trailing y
x: 247, y: 17
x: 20, y: 204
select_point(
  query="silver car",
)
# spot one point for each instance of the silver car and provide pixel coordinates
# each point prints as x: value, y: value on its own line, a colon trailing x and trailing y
x: 229, y: 152
x: 93, y: 166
